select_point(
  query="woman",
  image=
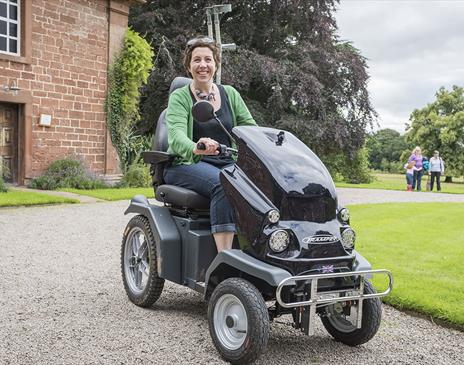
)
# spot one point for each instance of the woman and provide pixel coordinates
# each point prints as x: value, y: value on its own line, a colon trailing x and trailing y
x: 196, y: 169
x: 437, y: 168
x: 418, y: 169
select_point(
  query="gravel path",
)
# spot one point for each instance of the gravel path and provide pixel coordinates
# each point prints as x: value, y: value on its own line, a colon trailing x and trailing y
x: 62, y: 302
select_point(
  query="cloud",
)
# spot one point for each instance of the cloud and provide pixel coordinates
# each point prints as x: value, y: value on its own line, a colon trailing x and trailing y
x: 412, y: 49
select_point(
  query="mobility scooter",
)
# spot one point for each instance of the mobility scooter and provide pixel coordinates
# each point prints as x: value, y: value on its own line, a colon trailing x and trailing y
x: 293, y: 252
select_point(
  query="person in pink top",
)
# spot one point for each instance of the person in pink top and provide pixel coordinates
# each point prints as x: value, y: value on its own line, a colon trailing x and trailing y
x: 418, y: 169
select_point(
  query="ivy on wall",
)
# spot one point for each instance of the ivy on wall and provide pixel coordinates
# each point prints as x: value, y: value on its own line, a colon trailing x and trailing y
x: 128, y: 72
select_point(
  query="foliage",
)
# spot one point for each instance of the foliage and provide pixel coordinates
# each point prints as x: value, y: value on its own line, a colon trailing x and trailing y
x: 385, y: 149
x: 290, y: 67
x: 133, y: 145
x: 127, y: 74
x: 429, y: 257
x: 356, y: 170
x: 4, y: 173
x: 440, y: 126
x: 3, y: 187
x: 66, y: 173
x: 137, y: 176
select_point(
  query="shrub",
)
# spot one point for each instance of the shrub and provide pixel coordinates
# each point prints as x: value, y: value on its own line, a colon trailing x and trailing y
x: 3, y: 187
x: 129, y: 71
x: 356, y: 170
x: 66, y: 173
x: 44, y: 182
x: 136, y: 176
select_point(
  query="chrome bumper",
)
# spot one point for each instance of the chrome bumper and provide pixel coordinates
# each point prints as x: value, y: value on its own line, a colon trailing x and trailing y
x: 317, y: 298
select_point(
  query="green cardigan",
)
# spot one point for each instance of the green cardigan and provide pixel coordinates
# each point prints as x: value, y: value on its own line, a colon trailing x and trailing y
x: 179, y: 122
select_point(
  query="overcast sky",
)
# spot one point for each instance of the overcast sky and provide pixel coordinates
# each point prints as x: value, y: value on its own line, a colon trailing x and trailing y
x: 412, y: 47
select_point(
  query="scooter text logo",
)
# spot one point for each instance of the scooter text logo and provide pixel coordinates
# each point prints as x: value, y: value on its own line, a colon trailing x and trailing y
x: 320, y: 239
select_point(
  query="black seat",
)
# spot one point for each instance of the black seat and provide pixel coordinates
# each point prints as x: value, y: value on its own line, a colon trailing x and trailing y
x: 159, y: 159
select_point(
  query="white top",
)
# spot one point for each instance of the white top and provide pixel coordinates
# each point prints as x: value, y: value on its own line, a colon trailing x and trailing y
x: 437, y: 164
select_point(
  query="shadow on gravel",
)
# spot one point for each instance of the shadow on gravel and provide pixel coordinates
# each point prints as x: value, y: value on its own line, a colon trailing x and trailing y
x: 287, y: 344
x: 190, y: 303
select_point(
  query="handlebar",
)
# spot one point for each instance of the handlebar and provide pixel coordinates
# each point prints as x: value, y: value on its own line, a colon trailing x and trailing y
x: 223, y: 149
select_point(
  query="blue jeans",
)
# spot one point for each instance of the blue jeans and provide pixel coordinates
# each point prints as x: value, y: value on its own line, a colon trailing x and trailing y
x: 203, y: 178
x: 409, y: 179
x: 417, y: 179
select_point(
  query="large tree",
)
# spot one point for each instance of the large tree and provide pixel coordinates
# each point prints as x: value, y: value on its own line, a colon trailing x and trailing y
x: 385, y: 148
x: 440, y: 126
x: 290, y: 67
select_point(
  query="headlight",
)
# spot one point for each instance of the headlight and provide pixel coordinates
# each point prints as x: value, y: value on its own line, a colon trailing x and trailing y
x: 273, y: 216
x: 344, y: 215
x: 279, y: 240
x: 348, y: 238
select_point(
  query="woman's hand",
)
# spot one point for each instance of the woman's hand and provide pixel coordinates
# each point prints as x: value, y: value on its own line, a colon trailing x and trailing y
x: 210, y: 144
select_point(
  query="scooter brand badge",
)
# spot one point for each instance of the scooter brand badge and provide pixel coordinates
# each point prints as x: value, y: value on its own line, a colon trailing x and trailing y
x: 320, y: 239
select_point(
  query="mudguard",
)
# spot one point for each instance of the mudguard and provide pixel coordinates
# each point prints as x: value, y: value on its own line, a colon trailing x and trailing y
x: 167, y: 237
x: 239, y: 260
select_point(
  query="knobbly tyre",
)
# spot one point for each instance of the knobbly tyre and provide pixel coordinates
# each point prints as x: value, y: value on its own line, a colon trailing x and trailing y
x: 293, y: 254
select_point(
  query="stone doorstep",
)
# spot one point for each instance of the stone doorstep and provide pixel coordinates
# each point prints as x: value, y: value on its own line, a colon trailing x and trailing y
x: 110, y: 179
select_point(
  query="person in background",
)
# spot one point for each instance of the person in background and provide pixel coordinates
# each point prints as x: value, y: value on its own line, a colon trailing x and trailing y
x: 409, y: 174
x: 437, y: 168
x: 416, y: 157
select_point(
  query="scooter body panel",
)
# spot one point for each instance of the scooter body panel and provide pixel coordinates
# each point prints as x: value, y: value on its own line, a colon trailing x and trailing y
x: 167, y: 237
x: 198, y: 248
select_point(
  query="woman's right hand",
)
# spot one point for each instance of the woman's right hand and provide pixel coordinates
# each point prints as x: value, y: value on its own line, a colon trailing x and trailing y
x: 210, y: 147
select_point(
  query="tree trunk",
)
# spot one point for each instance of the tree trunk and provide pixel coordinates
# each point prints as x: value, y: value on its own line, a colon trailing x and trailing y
x: 448, y: 179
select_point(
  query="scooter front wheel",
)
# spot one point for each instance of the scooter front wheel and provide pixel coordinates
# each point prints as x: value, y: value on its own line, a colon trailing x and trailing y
x: 238, y: 321
x: 341, y: 327
x: 138, y: 263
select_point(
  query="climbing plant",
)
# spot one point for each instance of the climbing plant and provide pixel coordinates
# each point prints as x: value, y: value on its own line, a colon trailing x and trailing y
x: 128, y: 72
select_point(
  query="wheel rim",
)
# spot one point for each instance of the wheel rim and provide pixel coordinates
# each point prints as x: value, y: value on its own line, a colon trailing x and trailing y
x: 341, y: 322
x: 230, y: 322
x: 137, y: 260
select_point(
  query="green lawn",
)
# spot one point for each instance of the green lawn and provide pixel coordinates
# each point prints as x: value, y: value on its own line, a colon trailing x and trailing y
x: 398, y: 182
x: 423, y: 245
x: 17, y: 198
x: 114, y: 194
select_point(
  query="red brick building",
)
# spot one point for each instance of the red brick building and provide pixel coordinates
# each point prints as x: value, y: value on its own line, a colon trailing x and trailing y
x: 54, y: 57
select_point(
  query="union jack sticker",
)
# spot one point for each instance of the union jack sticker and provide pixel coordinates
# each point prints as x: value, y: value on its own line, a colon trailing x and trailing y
x: 327, y: 269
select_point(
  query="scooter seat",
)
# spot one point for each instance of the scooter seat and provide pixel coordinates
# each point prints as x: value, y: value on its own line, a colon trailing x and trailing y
x: 181, y: 197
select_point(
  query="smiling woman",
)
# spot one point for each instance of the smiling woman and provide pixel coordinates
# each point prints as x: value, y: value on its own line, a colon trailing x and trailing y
x: 197, y: 168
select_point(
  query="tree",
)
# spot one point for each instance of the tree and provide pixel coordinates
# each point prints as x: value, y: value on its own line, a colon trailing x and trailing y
x: 290, y: 67
x: 440, y: 126
x: 385, y: 148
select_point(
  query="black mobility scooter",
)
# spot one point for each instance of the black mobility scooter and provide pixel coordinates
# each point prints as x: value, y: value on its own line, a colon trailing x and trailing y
x: 293, y: 253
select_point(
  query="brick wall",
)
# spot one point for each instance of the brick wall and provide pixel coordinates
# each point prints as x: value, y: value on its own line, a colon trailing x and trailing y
x: 67, y: 79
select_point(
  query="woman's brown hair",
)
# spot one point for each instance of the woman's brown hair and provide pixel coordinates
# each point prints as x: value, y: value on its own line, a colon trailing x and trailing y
x: 201, y: 42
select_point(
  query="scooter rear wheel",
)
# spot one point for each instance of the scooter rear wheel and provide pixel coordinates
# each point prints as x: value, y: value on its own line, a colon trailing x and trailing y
x: 238, y: 321
x: 138, y: 263
x: 343, y: 330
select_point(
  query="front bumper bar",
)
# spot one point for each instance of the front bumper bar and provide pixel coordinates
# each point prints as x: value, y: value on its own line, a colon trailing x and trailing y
x: 319, y: 298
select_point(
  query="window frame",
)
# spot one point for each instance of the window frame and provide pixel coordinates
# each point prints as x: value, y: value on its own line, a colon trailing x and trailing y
x: 9, y: 21
x: 24, y: 32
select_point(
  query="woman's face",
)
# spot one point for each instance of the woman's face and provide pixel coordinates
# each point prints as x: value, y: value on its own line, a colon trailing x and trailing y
x: 202, y: 66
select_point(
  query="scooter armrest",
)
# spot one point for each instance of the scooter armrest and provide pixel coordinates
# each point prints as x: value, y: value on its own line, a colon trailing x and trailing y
x: 156, y: 157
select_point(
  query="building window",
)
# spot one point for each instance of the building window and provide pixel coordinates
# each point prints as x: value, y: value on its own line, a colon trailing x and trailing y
x: 10, y: 27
